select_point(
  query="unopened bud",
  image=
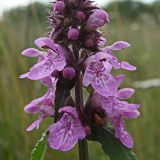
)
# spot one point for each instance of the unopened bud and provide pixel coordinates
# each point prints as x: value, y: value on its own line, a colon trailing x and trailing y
x: 59, y: 6
x: 73, y: 34
x: 72, y: 1
x: 89, y: 42
x: 80, y: 15
x: 69, y: 73
x: 87, y: 130
x: 97, y: 19
x: 99, y: 121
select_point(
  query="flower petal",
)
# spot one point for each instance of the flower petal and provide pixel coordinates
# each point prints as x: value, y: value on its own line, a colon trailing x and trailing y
x: 119, y: 45
x: 127, y: 66
x: 88, y: 77
x: 70, y: 110
x: 60, y: 138
x: 58, y: 59
x: 67, y: 131
x: 31, y: 52
x: 35, y: 124
x: 120, y: 132
x: 25, y: 75
x: 32, y: 107
x: 41, y: 70
x: 119, y: 79
x: 45, y: 42
x: 125, y: 109
x: 125, y: 93
x: 105, y: 85
x: 126, y: 139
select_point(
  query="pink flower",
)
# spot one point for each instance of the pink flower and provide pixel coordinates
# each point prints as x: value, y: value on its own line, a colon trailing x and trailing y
x: 97, y: 74
x: 43, y: 105
x: 67, y: 131
x: 113, y: 59
x: 116, y: 111
x: 53, y: 60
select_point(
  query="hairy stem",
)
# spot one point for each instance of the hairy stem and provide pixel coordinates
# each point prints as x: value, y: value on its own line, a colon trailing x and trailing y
x: 83, y: 148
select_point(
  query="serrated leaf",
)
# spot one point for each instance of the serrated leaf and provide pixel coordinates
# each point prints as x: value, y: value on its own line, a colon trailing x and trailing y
x: 111, y: 145
x: 40, y: 148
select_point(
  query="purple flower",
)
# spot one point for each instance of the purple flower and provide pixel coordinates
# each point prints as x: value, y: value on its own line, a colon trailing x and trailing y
x: 75, y: 44
x: 67, y: 131
x: 117, y: 110
x: 53, y: 60
x: 97, y: 74
x: 97, y: 19
x: 43, y: 105
x: 113, y: 59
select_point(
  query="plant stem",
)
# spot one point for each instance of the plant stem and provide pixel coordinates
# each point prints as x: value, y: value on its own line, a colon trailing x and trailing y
x: 82, y: 145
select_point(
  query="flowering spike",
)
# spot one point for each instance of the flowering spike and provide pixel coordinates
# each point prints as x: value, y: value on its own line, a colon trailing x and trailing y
x: 72, y: 56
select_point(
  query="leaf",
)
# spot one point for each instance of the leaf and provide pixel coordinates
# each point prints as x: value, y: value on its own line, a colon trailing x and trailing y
x: 111, y: 145
x: 40, y: 148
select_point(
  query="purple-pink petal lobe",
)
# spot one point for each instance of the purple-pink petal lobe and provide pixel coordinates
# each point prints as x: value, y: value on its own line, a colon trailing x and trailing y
x: 125, y: 93
x: 41, y: 70
x: 25, y: 75
x: 127, y: 66
x: 119, y: 79
x: 30, y: 52
x: 119, y: 45
x: 120, y: 133
x: 65, y: 133
x: 45, y: 42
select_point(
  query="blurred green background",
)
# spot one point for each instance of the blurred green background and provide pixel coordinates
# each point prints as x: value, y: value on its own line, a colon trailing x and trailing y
x: 135, y: 22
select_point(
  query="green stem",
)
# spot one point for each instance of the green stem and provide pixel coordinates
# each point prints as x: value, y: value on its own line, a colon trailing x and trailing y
x: 83, y: 148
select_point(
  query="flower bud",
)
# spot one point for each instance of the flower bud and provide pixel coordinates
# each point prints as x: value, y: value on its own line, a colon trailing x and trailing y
x: 97, y: 19
x: 69, y: 73
x: 73, y: 34
x: 80, y: 15
x: 71, y: 2
x: 87, y: 130
x: 89, y: 42
x: 99, y: 121
x: 59, y: 6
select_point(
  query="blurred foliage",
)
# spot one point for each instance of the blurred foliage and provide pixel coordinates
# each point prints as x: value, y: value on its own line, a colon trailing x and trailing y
x: 132, y: 10
x: 18, y: 29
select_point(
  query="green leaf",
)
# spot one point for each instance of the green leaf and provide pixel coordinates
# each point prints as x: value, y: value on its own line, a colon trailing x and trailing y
x: 40, y: 148
x: 111, y: 145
